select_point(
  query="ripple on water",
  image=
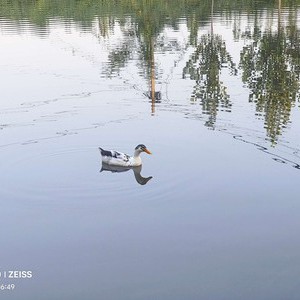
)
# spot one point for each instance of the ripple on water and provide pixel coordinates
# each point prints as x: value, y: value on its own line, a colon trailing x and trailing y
x: 74, y: 175
x: 51, y: 176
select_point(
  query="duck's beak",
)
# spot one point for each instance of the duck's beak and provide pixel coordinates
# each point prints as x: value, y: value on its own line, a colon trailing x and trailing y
x: 147, y: 151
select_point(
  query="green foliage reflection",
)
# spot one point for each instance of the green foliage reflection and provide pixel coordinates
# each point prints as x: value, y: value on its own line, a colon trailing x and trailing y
x: 205, y: 68
x: 271, y: 69
x: 270, y: 62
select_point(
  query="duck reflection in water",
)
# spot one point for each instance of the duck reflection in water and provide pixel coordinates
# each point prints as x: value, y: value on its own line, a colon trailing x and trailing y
x: 118, y: 169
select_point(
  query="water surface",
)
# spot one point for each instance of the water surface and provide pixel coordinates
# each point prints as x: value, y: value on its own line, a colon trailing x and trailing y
x: 211, y: 89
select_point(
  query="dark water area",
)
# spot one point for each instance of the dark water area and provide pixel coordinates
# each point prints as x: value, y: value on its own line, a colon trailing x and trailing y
x: 212, y: 89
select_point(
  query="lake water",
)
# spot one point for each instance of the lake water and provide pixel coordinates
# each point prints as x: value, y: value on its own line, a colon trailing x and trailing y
x: 214, y: 213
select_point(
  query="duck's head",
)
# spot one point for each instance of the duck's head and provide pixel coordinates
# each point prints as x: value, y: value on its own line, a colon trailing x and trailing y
x: 142, y: 148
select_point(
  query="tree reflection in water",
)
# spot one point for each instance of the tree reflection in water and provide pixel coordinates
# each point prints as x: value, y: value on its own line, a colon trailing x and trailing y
x: 271, y: 68
x: 205, y: 66
x: 269, y: 63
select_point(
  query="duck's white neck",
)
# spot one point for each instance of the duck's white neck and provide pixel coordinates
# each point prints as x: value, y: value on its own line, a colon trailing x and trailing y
x: 136, y: 160
x: 136, y: 153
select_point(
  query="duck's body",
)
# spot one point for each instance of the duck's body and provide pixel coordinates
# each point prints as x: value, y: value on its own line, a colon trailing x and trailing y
x: 115, y: 158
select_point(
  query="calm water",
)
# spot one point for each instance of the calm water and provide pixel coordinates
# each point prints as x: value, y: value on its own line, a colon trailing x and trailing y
x: 220, y: 217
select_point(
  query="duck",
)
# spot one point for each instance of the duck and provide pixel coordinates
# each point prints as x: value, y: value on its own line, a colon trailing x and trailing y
x: 115, y: 158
